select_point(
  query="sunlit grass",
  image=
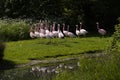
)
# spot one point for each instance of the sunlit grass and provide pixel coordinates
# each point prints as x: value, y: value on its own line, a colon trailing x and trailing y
x: 24, y: 51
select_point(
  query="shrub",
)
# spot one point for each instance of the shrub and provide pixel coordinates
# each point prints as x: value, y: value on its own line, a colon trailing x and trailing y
x: 116, y: 38
x: 13, y: 29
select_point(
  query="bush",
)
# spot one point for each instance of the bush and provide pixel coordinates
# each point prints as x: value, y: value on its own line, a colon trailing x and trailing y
x: 116, y: 38
x: 13, y: 29
x: 2, y: 47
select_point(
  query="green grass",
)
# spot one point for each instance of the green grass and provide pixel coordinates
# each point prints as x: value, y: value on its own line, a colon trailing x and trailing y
x: 24, y: 51
x: 105, y: 67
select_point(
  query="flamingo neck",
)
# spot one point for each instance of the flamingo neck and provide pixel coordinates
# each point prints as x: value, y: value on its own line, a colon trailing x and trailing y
x: 47, y: 27
x: 51, y: 29
x: 68, y: 28
x: 80, y: 26
x: 31, y: 29
x: 54, y: 27
x: 98, y: 26
x: 35, y: 28
x: 58, y: 28
x: 76, y: 27
x: 63, y: 28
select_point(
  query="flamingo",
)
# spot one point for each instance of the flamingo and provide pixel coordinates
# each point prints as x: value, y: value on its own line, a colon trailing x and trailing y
x: 36, y: 32
x: 82, y: 31
x: 60, y: 34
x: 70, y: 34
x: 64, y: 31
x: 51, y: 33
x: 47, y: 32
x: 42, y: 31
x: 47, y: 29
x: 55, y: 33
x: 77, y: 31
x: 42, y: 28
x: 32, y: 35
x: 100, y: 31
x: 42, y: 35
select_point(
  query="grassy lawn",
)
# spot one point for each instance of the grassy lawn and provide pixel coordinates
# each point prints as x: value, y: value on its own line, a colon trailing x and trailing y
x: 24, y: 51
x: 104, y: 67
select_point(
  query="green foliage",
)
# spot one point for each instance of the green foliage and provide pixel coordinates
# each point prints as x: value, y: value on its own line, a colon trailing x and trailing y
x: 32, y: 8
x: 104, y: 67
x: 116, y: 39
x: 13, y: 29
x: 118, y: 19
x: 68, y: 11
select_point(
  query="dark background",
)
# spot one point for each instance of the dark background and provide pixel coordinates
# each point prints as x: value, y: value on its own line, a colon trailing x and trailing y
x: 68, y: 11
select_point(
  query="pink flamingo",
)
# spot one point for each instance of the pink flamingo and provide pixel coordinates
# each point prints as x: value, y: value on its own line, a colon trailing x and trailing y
x: 70, y: 34
x: 100, y: 31
x: 64, y: 31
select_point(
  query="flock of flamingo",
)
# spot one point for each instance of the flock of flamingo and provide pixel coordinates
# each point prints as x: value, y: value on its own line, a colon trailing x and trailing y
x: 46, y: 30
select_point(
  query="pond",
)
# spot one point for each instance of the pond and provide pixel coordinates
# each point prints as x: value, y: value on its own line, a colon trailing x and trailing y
x: 46, y: 71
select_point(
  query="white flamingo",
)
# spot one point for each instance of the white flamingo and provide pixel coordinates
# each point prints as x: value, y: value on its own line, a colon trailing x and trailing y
x: 101, y: 31
x: 77, y: 31
x: 42, y: 35
x: 42, y: 31
x: 36, y: 32
x: 47, y: 31
x: 32, y: 35
x: 82, y: 31
x: 64, y: 31
x: 70, y: 34
x: 60, y: 34
x: 51, y: 32
x: 42, y: 28
x: 55, y: 33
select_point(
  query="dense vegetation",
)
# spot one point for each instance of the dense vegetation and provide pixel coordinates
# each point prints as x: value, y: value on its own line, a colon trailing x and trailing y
x: 68, y: 11
x: 116, y: 38
x: 12, y: 30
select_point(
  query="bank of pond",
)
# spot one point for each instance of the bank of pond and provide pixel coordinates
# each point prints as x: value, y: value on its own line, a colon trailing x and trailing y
x: 103, y: 66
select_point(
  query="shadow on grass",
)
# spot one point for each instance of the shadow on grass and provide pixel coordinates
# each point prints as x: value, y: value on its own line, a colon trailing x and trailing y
x: 6, y: 64
x: 90, y: 53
